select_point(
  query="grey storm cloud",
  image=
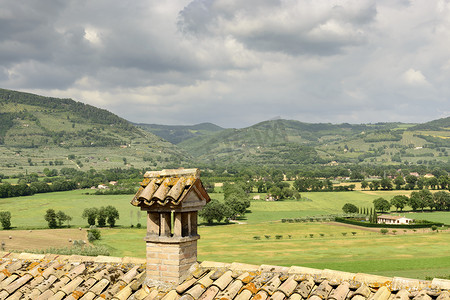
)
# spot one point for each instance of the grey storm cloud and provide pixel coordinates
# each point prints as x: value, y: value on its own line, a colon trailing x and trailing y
x: 233, y: 62
x: 284, y: 26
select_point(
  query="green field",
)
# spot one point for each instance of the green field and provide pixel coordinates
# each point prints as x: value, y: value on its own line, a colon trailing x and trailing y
x: 409, y: 255
x: 29, y: 211
x: 414, y: 255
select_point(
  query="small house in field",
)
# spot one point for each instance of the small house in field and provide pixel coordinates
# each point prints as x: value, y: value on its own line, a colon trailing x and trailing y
x: 388, y: 219
x: 102, y: 187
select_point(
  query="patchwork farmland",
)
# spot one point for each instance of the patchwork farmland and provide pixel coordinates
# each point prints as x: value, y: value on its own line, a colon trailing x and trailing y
x: 263, y: 238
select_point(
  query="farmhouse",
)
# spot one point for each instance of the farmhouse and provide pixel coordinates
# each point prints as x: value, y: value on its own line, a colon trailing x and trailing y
x: 172, y: 199
x: 387, y: 219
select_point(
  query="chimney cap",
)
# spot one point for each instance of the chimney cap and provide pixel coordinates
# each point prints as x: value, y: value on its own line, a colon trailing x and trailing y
x: 171, y: 187
x: 173, y: 173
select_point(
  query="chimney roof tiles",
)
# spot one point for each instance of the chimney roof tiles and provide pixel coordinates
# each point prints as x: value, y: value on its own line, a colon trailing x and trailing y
x: 168, y: 186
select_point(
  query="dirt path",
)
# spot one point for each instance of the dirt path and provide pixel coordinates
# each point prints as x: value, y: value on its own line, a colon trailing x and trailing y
x: 21, y: 240
x: 354, y: 226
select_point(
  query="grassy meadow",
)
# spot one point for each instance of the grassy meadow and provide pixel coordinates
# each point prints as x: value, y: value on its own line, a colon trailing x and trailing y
x: 405, y: 254
x: 409, y: 254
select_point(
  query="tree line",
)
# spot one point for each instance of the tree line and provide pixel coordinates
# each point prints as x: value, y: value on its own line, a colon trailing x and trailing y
x: 65, y: 180
x: 55, y: 219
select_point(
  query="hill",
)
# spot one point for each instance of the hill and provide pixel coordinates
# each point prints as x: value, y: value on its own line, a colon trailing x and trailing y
x: 437, y: 125
x: 38, y: 132
x: 288, y: 142
x: 179, y: 133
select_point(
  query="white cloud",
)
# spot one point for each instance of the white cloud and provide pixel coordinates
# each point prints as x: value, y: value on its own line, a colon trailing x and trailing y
x: 414, y: 77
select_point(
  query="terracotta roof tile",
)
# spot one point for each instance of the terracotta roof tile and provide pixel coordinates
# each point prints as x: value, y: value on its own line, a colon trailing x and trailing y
x: 223, y: 281
x: 444, y: 295
x: 341, y: 292
x: 210, y: 293
x: 323, y: 290
x: 196, y: 291
x: 185, y: 285
x: 63, y: 277
x: 402, y: 295
x: 271, y: 286
x: 438, y: 283
x: 244, y: 295
x: 295, y: 296
x: 382, y: 294
x: 305, y: 288
x: 261, y: 295
x: 399, y: 283
x: 288, y: 286
x: 231, y: 291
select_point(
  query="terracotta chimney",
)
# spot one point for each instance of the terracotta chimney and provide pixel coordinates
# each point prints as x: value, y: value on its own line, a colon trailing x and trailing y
x: 172, y: 199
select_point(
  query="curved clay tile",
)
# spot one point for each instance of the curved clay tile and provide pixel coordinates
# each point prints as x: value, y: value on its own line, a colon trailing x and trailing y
x: 161, y: 192
x: 175, y: 192
x: 148, y: 191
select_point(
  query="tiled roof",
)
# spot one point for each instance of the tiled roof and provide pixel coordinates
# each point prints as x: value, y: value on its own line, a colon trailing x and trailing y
x: 39, y: 276
x: 166, y: 186
x: 31, y: 276
x: 389, y: 217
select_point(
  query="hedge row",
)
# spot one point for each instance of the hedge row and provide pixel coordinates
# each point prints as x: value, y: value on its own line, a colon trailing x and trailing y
x: 365, y: 224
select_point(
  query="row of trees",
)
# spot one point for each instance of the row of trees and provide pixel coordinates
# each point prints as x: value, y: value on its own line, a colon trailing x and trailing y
x: 65, y: 180
x: 56, y: 219
x: 408, y: 182
x: 418, y: 199
x: 102, y: 215
x: 356, y: 172
x: 23, y: 189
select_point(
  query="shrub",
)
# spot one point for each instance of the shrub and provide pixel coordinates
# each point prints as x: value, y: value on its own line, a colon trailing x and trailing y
x: 349, y: 208
x: 354, y: 232
x: 322, y: 234
x: 257, y: 237
x: 76, y: 249
x: 384, y: 230
x: 311, y: 235
x: 434, y: 227
x: 138, y: 225
x: 267, y: 236
x: 93, y: 234
x: 344, y: 233
x: 278, y: 237
x: 5, y: 219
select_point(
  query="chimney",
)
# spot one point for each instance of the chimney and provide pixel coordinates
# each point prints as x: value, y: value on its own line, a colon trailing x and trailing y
x: 172, y: 199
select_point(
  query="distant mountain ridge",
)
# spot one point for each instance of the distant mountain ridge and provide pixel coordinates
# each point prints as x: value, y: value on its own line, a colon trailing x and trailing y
x: 287, y: 142
x: 31, y: 121
x: 179, y: 133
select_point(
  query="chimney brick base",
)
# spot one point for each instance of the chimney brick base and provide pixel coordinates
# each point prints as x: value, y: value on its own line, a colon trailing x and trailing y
x: 169, y: 262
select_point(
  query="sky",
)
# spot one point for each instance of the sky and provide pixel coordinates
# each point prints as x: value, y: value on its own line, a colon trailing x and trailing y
x: 232, y: 62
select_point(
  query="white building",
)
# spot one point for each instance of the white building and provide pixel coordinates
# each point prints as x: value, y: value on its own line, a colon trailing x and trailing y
x: 388, y: 219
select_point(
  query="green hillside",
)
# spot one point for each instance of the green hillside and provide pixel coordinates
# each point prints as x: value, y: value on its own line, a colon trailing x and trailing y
x: 288, y: 142
x: 38, y: 132
x: 179, y: 133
